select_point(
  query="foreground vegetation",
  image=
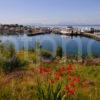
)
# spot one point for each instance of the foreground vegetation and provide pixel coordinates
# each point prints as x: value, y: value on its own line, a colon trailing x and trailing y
x: 34, y: 79
x: 51, y: 81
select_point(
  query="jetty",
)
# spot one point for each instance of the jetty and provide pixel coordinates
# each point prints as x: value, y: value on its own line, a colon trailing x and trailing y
x: 93, y: 36
x: 34, y: 34
x: 84, y: 34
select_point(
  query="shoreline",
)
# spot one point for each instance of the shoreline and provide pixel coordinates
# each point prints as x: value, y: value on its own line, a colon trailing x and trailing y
x: 84, y: 34
x: 88, y: 35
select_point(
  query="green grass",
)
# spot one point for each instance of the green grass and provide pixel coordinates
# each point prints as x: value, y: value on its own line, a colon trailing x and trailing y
x: 23, y: 85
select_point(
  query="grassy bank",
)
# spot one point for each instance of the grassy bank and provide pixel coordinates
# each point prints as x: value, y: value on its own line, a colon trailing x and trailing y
x: 49, y: 81
x: 25, y: 76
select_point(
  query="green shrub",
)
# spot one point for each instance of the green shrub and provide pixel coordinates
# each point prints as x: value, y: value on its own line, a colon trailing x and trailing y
x: 13, y: 64
x: 7, y: 50
x: 59, y: 52
x: 34, y: 58
x: 45, y: 54
x: 8, y: 59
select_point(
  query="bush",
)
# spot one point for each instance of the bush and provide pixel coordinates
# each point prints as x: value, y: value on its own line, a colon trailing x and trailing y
x: 59, y: 52
x: 8, y: 59
x: 13, y: 64
x: 34, y: 58
x: 46, y: 54
x: 7, y: 50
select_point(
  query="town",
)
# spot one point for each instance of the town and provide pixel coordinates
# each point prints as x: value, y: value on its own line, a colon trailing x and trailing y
x: 15, y: 29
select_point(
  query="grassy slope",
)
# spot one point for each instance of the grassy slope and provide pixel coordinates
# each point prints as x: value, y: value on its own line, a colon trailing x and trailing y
x: 21, y: 85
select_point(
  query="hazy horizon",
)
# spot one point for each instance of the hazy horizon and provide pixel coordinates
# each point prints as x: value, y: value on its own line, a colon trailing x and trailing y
x: 50, y: 12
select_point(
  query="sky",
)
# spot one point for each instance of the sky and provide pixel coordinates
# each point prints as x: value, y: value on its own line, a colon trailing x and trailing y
x: 50, y: 11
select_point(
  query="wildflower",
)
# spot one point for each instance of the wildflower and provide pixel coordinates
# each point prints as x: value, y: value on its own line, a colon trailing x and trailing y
x: 71, y: 92
x: 77, y: 79
x: 69, y: 69
x: 57, y: 75
x: 43, y: 70
x: 48, y: 70
x: 50, y: 81
x: 62, y: 70
x: 67, y: 87
x: 35, y: 70
x: 72, y: 84
x: 69, y: 78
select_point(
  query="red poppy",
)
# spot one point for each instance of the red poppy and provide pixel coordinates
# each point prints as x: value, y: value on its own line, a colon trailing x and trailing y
x: 72, y: 84
x: 43, y: 70
x: 48, y: 70
x: 71, y: 92
x: 77, y: 79
x: 62, y: 70
x: 69, y: 78
x: 69, y: 69
x: 67, y: 87
x: 57, y: 75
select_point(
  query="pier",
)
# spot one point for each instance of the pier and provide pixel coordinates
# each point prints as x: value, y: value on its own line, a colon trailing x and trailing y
x: 93, y: 36
x: 34, y: 34
x: 89, y: 35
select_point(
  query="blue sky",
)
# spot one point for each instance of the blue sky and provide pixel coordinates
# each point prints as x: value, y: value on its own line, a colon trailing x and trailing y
x: 50, y: 11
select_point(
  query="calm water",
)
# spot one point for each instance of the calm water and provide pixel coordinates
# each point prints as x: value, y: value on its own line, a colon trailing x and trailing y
x: 71, y: 45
